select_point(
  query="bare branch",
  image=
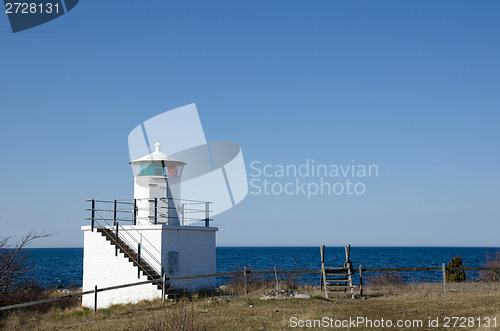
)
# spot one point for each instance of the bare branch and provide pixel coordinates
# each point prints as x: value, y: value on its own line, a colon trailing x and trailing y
x: 13, y: 265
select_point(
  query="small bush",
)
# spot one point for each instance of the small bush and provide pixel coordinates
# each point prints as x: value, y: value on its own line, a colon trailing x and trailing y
x: 30, y: 291
x: 491, y: 275
x: 386, y: 278
x: 455, y: 275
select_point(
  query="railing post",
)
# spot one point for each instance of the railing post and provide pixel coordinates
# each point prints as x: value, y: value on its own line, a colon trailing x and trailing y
x: 116, y: 239
x: 95, y: 299
x: 139, y: 260
x: 182, y: 213
x: 134, y: 213
x: 156, y: 210
x: 245, y: 279
x: 114, y: 211
x: 93, y: 216
x: 360, y: 280
x: 207, y: 220
x: 444, y: 277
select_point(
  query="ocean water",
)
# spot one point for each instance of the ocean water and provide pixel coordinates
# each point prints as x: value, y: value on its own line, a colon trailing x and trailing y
x: 63, y: 267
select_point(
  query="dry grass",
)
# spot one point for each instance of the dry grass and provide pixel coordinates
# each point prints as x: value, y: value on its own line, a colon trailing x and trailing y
x: 408, y: 301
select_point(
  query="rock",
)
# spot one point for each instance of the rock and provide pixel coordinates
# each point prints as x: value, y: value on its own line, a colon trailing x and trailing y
x: 225, y: 298
x: 223, y: 288
x: 284, y: 294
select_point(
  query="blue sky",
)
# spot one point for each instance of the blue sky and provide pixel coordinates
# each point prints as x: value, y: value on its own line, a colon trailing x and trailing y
x: 412, y: 86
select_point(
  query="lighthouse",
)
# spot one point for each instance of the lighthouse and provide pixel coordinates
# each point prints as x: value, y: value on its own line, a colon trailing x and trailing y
x: 155, y: 235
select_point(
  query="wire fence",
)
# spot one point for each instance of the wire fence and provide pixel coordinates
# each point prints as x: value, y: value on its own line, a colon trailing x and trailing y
x: 245, y: 274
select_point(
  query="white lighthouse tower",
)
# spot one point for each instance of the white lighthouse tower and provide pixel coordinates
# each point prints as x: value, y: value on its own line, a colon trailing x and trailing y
x: 155, y: 234
x: 157, y: 188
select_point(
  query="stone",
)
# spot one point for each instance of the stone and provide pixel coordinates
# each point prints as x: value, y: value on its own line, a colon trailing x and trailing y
x: 284, y: 294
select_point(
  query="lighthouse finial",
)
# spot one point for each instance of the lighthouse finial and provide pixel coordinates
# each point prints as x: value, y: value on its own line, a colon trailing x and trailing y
x: 157, y: 146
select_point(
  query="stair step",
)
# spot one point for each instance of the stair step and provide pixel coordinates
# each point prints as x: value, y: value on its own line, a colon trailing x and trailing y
x: 337, y: 275
x: 328, y: 287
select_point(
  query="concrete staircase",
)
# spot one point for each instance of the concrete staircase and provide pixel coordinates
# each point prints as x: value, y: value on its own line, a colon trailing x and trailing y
x: 133, y: 257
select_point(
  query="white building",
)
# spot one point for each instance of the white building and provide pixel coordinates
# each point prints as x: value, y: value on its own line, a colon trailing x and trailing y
x: 140, y: 239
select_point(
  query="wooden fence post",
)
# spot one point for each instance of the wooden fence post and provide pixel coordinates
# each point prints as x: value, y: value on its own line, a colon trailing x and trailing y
x: 276, y: 276
x: 360, y: 280
x: 95, y: 299
x: 245, y: 279
x: 322, y: 251
x: 163, y: 289
x: 444, y: 277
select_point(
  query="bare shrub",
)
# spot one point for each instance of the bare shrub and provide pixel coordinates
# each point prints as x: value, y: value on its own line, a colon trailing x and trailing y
x: 14, y: 286
x: 30, y: 291
x: 13, y: 265
x: 236, y: 284
x: 386, y: 278
x: 289, y: 281
x: 491, y: 275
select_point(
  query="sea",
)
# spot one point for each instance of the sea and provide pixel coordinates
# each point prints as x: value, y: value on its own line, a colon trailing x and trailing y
x: 63, y: 267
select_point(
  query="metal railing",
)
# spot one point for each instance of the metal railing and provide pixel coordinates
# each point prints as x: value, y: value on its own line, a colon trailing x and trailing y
x: 188, y: 212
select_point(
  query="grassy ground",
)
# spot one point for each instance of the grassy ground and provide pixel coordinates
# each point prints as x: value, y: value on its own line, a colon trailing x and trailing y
x: 412, y: 302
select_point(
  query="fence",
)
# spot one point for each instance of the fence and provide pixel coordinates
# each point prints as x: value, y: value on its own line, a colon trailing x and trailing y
x: 245, y: 272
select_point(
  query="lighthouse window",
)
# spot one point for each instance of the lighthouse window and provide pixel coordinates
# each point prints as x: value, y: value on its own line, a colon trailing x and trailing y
x: 151, y: 169
x: 172, y: 171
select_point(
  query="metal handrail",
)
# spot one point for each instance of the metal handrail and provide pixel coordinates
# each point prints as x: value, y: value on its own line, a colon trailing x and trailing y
x: 137, y: 241
x: 130, y: 245
x: 125, y: 201
x: 161, y: 216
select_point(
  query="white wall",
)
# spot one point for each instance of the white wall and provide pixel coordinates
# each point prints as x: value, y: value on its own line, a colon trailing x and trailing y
x: 102, y: 268
x: 196, y: 255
